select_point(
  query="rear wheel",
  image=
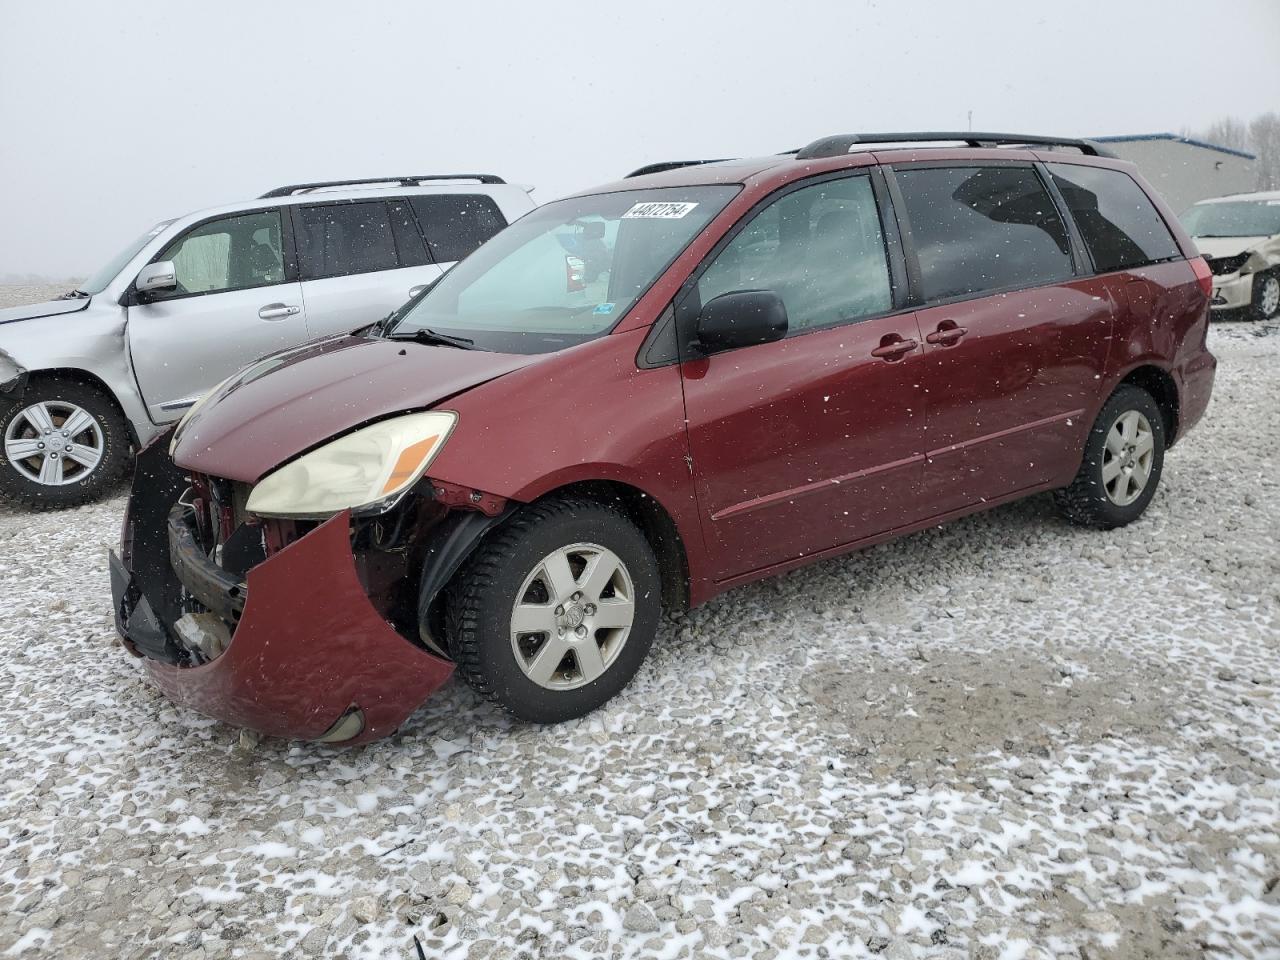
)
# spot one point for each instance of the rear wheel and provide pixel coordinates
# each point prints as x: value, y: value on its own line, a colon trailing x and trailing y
x: 64, y: 443
x: 1123, y: 460
x: 1266, y: 296
x: 556, y: 611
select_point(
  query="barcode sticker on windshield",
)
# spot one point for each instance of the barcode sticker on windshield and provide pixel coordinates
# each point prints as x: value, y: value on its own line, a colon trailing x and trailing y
x: 659, y: 210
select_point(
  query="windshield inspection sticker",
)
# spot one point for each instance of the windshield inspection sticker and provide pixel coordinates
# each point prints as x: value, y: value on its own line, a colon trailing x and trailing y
x: 659, y: 210
x: 603, y: 308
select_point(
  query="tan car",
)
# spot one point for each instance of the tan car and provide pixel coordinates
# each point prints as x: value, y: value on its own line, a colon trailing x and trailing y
x: 1240, y: 237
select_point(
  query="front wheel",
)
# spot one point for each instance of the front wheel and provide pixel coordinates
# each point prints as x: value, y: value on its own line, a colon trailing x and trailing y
x: 556, y: 610
x: 1123, y: 460
x: 1266, y: 296
x: 64, y: 443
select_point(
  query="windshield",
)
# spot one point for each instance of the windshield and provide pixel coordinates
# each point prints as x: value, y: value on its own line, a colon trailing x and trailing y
x: 567, y: 272
x: 1244, y: 218
x: 98, y: 282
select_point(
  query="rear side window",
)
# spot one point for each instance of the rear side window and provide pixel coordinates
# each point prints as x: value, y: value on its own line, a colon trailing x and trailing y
x: 345, y: 238
x: 456, y: 223
x: 1120, y: 225
x: 983, y: 228
x: 409, y: 245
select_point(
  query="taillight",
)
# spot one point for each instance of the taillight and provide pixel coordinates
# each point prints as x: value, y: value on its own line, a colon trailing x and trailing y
x: 1204, y: 276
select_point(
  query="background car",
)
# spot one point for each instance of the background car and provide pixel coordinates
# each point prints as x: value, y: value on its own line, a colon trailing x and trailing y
x: 750, y: 366
x: 1240, y: 238
x: 86, y: 378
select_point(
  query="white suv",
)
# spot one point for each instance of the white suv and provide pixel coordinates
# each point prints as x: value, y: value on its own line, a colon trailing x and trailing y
x: 85, y: 378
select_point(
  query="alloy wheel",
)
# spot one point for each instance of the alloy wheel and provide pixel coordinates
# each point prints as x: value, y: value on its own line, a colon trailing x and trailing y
x: 1127, y: 458
x: 54, y: 442
x: 572, y: 616
x: 1269, y: 297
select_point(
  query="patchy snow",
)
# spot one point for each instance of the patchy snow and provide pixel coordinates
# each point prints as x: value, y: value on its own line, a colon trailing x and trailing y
x: 1004, y: 738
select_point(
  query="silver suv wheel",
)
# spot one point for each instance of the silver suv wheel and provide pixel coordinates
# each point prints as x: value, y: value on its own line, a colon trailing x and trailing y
x: 54, y: 442
x: 1126, y: 461
x: 572, y: 616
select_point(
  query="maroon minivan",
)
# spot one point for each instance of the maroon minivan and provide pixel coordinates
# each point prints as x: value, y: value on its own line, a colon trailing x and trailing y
x: 637, y: 397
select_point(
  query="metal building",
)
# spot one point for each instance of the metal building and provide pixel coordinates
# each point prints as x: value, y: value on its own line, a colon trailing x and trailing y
x: 1186, y: 170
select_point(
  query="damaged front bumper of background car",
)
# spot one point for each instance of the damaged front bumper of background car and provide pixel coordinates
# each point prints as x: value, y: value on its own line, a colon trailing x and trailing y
x: 290, y: 629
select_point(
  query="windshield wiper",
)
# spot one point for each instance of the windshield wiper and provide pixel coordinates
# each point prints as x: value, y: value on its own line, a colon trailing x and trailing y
x: 74, y: 295
x: 425, y: 335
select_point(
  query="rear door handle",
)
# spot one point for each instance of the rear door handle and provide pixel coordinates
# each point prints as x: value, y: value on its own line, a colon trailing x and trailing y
x: 891, y: 350
x: 278, y: 311
x: 946, y: 335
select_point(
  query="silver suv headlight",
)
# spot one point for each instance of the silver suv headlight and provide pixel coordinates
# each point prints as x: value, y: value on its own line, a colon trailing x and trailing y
x: 367, y: 470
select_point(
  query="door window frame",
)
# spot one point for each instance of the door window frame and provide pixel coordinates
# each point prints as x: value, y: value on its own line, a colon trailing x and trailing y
x: 686, y: 304
x: 132, y: 298
x: 1081, y: 265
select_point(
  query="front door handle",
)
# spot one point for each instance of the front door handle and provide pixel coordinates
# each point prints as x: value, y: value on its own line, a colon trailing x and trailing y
x: 278, y: 311
x: 946, y: 334
x: 894, y: 348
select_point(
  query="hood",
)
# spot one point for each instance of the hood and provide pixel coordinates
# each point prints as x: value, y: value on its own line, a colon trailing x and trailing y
x: 1217, y: 247
x: 291, y: 402
x: 52, y: 308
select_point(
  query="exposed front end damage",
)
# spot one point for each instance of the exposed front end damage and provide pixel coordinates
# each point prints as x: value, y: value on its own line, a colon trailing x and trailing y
x: 312, y: 630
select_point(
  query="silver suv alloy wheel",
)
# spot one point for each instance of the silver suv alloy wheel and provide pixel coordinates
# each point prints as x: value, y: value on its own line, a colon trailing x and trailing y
x: 1126, y: 461
x: 54, y: 443
x: 572, y: 616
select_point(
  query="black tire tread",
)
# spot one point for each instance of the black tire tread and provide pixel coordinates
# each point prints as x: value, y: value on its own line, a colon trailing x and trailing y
x: 1079, y: 501
x: 463, y: 600
x: 16, y: 491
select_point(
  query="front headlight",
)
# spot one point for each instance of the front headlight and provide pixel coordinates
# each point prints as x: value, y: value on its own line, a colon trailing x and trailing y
x: 365, y: 470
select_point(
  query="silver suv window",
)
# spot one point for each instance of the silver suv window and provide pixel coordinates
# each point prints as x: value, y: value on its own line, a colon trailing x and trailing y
x: 231, y: 253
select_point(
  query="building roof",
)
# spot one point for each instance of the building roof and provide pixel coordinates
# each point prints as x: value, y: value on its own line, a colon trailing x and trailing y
x: 1177, y: 139
x: 1269, y: 196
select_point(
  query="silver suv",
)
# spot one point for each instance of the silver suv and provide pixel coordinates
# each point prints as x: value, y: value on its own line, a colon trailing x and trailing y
x: 86, y: 378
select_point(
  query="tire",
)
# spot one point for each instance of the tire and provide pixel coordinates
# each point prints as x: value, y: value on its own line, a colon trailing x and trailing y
x: 1103, y: 495
x: 516, y: 579
x: 43, y: 482
x: 1265, y: 304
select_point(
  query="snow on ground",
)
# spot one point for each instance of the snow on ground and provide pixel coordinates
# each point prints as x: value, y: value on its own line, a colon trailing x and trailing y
x: 1006, y: 737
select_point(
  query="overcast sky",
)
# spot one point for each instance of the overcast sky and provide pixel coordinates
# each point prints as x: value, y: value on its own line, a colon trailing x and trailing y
x: 116, y: 115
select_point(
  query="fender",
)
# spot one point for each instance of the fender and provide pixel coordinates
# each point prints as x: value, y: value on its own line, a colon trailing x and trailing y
x: 629, y: 428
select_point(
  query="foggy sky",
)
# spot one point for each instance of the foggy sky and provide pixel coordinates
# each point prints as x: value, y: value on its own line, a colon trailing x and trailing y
x: 116, y: 115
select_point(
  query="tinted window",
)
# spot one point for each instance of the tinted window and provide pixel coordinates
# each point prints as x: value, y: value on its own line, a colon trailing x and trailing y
x: 457, y: 223
x: 233, y: 253
x: 983, y: 228
x: 1119, y: 224
x: 819, y: 248
x: 404, y: 226
x: 345, y: 238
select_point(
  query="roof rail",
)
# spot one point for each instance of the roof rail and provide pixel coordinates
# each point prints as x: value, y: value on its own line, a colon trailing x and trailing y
x: 665, y: 165
x: 291, y: 189
x: 840, y: 144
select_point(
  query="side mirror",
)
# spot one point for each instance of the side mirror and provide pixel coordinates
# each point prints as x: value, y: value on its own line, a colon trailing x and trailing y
x: 743, y: 318
x: 160, y: 275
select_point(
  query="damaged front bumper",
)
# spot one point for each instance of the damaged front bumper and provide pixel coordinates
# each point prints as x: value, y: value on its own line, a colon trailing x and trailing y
x: 309, y: 658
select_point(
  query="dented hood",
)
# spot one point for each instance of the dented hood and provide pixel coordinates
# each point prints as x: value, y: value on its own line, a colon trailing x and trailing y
x: 1215, y: 247
x: 293, y: 401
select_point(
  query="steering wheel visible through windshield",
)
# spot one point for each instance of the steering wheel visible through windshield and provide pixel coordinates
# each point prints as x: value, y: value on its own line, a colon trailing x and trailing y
x: 565, y: 273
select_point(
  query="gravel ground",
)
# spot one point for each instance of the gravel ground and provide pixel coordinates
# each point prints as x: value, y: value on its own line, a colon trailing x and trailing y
x: 1005, y: 737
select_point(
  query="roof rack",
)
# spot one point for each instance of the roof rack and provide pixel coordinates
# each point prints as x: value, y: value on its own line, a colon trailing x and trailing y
x: 665, y: 165
x: 290, y: 190
x: 840, y: 144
